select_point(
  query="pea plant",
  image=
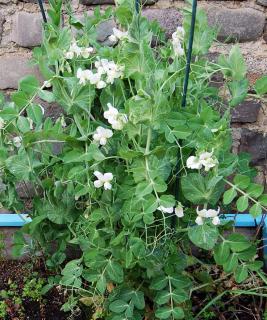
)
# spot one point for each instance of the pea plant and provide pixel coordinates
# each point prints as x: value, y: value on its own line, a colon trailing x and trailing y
x: 125, y: 177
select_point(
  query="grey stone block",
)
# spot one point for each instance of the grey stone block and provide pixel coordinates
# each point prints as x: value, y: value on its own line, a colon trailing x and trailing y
x: 104, y: 30
x: 246, y: 112
x: 169, y: 19
x: 254, y: 143
x: 13, y: 68
x: 27, y: 29
x: 244, y: 24
x: 1, y: 25
x: 95, y: 2
x: 262, y: 2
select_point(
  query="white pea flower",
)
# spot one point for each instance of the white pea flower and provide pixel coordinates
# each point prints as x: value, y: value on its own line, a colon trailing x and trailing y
x: 165, y: 210
x: 109, y: 68
x: 101, y: 84
x: 103, y: 180
x: 42, y: 109
x: 207, y: 160
x: 102, y: 135
x: 193, y: 163
x: 177, y: 38
x: 208, y: 213
x: 75, y: 49
x: 63, y: 122
x: 30, y: 123
x: 17, y: 141
x: 113, y: 38
x: 83, y: 75
x: 116, y: 119
x: 179, y: 34
x: 178, y: 50
x: 47, y: 84
x: 216, y: 221
x: 202, y: 213
x: 2, y: 123
x: 86, y: 52
x: 111, y: 113
x: 179, y: 211
x: 199, y: 221
x: 69, y: 55
x: 118, y: 35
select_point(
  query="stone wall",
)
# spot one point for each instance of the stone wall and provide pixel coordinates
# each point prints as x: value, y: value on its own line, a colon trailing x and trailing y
x: 242, y: 20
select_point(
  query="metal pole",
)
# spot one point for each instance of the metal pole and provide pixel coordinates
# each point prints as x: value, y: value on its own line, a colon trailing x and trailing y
x: 189, y: 52
x: 41, y: 5
x: 185, y: 87
x: 137, y: 6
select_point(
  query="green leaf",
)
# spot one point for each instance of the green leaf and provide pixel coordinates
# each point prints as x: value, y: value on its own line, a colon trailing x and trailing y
x: 261, y: 85
x: 231, y: 264
x: 23, y: 124
x: 138, y: 300
x: 115, y: 271
x: 29, y: 85
x: 35, y: 112
x: 255, y: 265
x: 179, y: 296
x: 71, y: 274
x: 203, y: 236
x: 118, y: 306
x: 167, y: 201
x: 194, y: 187
x: 229, y: 196
x: 239, y: 90
x: 143, y: 188
x: 242, y: 203
x: 263, y: 200
x: 256, y: 210
x: 237, y: 64
x: 241, y: 181
x: 180, y: 281
x: 247, y: 254
x: 19, y: 166
x: 241, y: 273
x: 238, y: 242
x: 163, y: 313
x: 221, y: 252
x: 101, y: 283
x: 163, y: 297
x: 178, y: 313
x: 159, y: 283
x: 255, y: 190
x: 47, y: 95
x: 20, y: 98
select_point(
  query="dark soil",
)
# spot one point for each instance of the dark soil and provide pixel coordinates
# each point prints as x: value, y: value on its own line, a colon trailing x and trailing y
x: 46, y: 309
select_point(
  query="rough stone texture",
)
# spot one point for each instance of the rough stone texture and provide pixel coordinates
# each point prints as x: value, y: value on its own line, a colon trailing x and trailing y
x: 1, y: 25
x: 169, y: 19
x: 27, y: 29
x: 265, y: 33
x: 97, y: 2
x: 254, y: 143
x: 262, y: 2
x: 104, y: 30
x: 246, y: 112
x: 245, y: 24
x: 12, y: 69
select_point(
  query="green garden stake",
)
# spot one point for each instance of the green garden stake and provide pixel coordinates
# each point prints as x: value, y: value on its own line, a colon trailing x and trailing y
x: 137, y: 6
x: 185, y: 88
x: 41, y: 5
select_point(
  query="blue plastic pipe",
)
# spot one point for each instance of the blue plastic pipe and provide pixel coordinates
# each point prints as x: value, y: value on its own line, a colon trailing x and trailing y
x: 245, y: 220
x: 240, y: 221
